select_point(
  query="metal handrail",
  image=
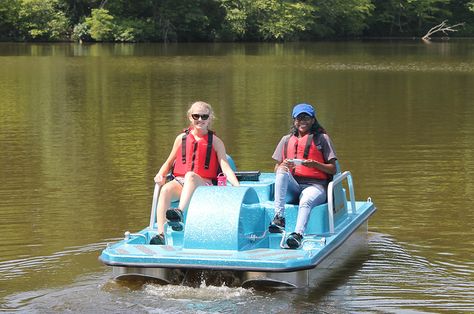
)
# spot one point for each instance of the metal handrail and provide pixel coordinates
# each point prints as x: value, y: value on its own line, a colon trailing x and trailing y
x: 338, y: 179
x: 154, y: 204
x: 127, y: 236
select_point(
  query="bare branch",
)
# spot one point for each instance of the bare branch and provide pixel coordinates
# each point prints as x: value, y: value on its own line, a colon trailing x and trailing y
x: 442, y: 27
x: 102, y: 4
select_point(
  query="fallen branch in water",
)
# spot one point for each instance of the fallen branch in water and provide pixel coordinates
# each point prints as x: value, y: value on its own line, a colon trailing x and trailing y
x: 442, y: 27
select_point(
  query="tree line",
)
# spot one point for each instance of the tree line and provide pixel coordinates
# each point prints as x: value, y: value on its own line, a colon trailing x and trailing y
x: 226, y: 20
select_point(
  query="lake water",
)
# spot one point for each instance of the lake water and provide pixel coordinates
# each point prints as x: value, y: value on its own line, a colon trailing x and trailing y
x: 84, y: 129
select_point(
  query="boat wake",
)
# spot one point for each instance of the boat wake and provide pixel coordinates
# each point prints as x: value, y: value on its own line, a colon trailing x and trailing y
x: 203, y: 292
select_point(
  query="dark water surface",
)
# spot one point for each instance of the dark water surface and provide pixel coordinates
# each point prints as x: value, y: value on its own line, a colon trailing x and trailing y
x: 84, y: 128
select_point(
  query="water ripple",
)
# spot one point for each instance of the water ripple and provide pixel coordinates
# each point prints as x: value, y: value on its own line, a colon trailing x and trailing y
x: 393, y: 67
x: 18, y: 267
x: 394, y: 279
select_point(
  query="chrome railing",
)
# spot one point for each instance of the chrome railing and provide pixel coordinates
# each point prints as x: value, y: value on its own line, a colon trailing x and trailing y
x: 154, y: 204
x: 336, y: 180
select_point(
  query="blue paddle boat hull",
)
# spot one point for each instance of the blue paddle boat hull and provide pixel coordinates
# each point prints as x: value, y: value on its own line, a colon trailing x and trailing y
x: 226, y: 236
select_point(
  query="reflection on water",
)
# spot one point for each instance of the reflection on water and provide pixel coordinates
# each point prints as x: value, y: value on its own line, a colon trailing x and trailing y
x: 83, y: 129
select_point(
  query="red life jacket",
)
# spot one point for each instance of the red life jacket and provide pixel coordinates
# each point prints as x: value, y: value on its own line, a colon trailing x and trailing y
x: 304, y: 148
x: 197, y: 156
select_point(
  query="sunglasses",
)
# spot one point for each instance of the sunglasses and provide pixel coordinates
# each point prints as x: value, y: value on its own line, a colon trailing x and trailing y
x: 196, y: 116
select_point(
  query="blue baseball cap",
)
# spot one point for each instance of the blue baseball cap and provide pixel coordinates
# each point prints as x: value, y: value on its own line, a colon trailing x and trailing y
x: 303, y: 108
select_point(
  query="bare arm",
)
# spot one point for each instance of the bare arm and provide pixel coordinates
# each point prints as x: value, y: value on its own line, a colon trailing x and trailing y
x: 329, y: 167
x: 285, y: 165
x: 222, y: 158
x: 160, y: 177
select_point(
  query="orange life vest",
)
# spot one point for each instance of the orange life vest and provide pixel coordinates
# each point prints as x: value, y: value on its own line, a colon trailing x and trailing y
x: 197, y: 156
x: 304, y: 148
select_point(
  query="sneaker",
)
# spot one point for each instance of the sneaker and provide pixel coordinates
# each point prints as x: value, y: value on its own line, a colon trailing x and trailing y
x: 294, y: 240
x: 175, y: 218
x: 277, y: 225
x: 176, y: 226
x: 174, y: 215
x: 159, y: 239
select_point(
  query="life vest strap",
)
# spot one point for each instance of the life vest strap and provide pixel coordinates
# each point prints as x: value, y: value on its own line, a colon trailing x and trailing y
x: 183, y: 146
x: 285, y: 147
x: 209, y: 149
x: 307, y: 146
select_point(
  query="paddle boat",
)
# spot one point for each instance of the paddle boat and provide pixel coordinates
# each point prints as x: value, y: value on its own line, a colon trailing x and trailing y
x: 225, y: 236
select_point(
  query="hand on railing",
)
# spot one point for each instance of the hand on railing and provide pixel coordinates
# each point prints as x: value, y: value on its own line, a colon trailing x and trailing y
x: 159, y: 179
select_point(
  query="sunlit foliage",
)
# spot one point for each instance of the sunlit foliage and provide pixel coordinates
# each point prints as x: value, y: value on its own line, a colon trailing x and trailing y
x: 41, y: 20
x: 226, y: 20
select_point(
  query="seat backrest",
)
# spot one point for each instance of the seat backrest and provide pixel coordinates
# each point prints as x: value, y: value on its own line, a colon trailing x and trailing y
x: 339, y: 192
x: 338, y: 167
x: 340, y: 198
x: 231, y: 162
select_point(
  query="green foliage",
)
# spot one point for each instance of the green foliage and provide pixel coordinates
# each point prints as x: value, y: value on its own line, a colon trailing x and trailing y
x: 186, y: 20
x: 133, y: 30
x: 81, y: 32
x: 41, y: 20
x: 341, y: 17
x: 77, y: 10
x: 399, y: 17
x: 463, y: 11
x: 267, y: 19
x: 226, y: 20
x: 235, y: 24
x: 9, y: 18
x: 283, y: 20
x: 100, y: 24
x: 103, y: 26
x: 425, y: 12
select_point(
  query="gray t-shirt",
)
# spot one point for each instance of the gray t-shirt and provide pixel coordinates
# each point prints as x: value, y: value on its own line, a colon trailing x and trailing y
x: 324, y: 144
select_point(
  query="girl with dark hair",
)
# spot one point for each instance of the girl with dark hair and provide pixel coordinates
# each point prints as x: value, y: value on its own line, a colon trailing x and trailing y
x: 306, y: 161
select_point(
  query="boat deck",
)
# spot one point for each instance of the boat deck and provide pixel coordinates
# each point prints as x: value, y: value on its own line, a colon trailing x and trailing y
x: 260, y: 253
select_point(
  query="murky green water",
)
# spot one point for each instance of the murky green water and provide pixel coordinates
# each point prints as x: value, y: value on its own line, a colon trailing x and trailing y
x: 84, y: 128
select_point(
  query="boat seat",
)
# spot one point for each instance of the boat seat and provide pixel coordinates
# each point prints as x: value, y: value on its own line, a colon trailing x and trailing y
x: 264, y: 186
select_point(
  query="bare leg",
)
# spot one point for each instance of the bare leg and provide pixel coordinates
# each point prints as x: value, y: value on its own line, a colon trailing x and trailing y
x: 191, y: 182
x: 169, y: 192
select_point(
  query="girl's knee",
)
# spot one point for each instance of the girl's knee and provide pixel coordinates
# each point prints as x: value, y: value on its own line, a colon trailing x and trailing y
x: 282, y: 175
x: 168, y: 189
x: 313, y: 197
x: 311, y: 203
x: 165, y: 189
x: 191, y: 176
